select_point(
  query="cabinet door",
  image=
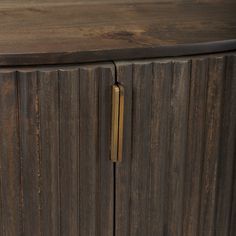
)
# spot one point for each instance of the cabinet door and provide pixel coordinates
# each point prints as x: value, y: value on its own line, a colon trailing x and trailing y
x: 56, y: 177
x: 176, y: 175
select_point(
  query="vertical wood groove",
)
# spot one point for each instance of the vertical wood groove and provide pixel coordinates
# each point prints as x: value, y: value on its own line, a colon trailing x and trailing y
x: 39, y: 157
x: 50, y: 197
x: 29, y: 142
x: 96, y: 171
x: 124, y: 73
x: 225, y: 200
x: 59, y: 154
x: 20, y: 157
x: 142, y: 78
x: 232, y: 217
x: 195, y: 144
x: 98, y: 160
x: 179, y: 113
x: 191, y: 178
x: 131, y: 147
x: 106, y: 189
x: 40, y: 183
x: 9, y: 155
x: 211, y: 154
x: 69, y: 80
x: 177, y: 176
x: 204, y: 146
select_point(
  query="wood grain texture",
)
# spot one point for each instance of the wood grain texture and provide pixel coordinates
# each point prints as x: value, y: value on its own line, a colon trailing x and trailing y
x: 188, y: 160
x: 74, y: 33
x: 179, y: 113
x: 146, y: 189
x: 29, y: 150
x: 140, y: 165
x: 19, y: 3
x: 232, y: 226
x: 160, y: 146
x: 105, y: 208
x: 225, y: 209
x: 195, y: 146
x: 177, y: 176
x: 69, y: 150
x: 11, y: 197
x: 96, y: 171
x: 211, y: 152
x: 123, y: 178
x: 56, y: 176
x: 49, y: 153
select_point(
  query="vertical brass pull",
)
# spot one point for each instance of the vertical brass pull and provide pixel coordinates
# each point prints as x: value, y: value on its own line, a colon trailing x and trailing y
x: 117, y: 122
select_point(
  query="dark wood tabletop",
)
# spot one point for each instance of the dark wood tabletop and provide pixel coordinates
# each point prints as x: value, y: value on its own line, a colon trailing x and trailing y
x: 75, y: 32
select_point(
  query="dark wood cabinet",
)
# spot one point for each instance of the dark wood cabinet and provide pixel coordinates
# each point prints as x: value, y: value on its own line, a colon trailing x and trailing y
x: 55, y: 136
x: 60, y: 124
x: 177, y: 169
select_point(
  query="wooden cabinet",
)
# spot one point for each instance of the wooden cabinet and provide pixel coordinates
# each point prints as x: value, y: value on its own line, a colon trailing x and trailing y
x: 176, y: 176
x: 55, y: 136
x: 175, y: 131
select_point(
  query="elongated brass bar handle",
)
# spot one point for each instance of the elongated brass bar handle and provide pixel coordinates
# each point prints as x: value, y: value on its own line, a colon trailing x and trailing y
x: 121, y: 123
x: 117, y: 122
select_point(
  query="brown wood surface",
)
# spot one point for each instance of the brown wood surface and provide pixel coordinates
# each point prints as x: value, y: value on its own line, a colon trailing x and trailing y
x: 96, y: 169
x: 195, y: 147
x: 69, y: 148
x: 49, y: 152
x: 232, y: 142
x: 56, y: 176
x: 122, y: 184
x: 227, y: 156
x: 29, y: 150
x: 176, y: 177
x: 55, y: 2
x: 140, y: 165
x: 11, y: 188
x: 160, y: 145
x: 82, y: 32
x: 216, y: 75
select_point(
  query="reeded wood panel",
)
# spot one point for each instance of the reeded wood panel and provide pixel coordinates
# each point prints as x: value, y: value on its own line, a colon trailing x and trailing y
x: 176, y: 177
x: 11, y: 193
x: 56, y: 176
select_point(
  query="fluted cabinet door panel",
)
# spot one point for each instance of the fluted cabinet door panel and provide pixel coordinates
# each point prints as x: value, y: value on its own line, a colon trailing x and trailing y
x: 11, y: 193
x: 56, y: 176
x: 195, y: 147
x: 69, y: 146
x: 96, y: 170
x: 176, y: 177
x: 29, y: 150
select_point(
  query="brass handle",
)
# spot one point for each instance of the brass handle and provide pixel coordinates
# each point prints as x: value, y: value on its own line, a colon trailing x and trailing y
x: 117, y: 122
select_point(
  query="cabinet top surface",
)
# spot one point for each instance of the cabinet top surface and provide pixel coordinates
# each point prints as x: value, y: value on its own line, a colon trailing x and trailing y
x: 76, y: 31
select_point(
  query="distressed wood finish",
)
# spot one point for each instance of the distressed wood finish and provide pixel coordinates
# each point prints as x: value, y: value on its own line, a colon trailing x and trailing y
x: 195, y: 147
x: 49, y: 151
x: 96, y: 169
x: 74, y: 32
x: 176, y: 177
x: 178, y: 142
x: 140, y: 165
x: 11, y: 189
x: 69, y: 150
x: 29, y: 150
x: 225, y: 212
x: 56, y: 176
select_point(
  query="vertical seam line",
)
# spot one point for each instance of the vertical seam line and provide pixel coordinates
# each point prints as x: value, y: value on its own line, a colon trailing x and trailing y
x: 39, y: 153
x: 21, y: 203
